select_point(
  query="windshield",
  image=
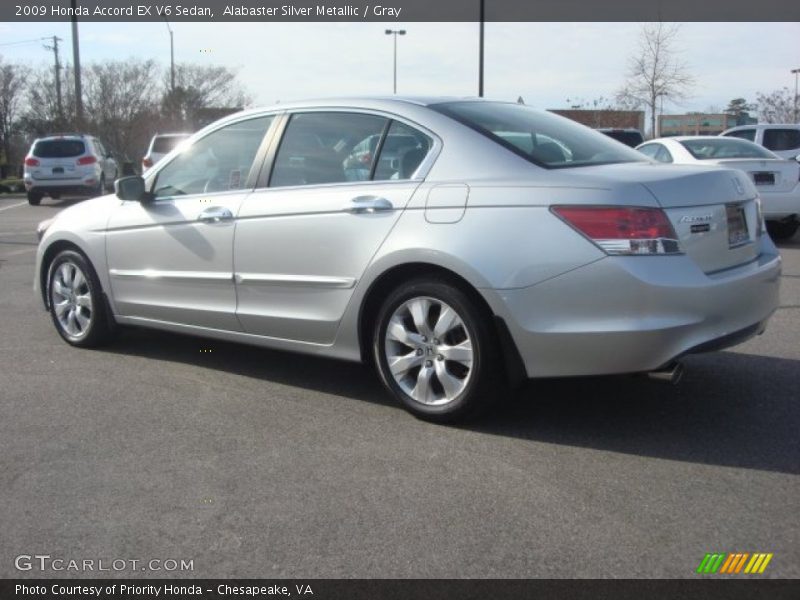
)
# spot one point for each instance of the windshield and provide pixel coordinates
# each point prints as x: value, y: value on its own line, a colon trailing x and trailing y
x: 725, y: 147
x: 543, y: 138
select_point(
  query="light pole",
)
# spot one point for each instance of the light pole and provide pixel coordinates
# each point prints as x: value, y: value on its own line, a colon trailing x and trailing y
x: 395, y: 33
x: 795, y: 71
x: 171, y: 57
x: 480, y: 49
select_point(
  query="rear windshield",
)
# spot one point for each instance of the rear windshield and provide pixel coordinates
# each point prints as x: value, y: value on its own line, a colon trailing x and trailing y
x: 165, y: 144
x: 59, y: 148
x: 629, y: 138
x: 542, y: 138
x: 723, y: 147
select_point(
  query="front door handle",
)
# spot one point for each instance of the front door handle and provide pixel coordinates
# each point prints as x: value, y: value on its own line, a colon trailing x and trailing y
x: 215, y: 214
x: 368, y: 205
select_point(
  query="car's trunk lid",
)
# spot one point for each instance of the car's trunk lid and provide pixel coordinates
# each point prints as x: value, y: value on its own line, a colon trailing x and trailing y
x: 768, y: 175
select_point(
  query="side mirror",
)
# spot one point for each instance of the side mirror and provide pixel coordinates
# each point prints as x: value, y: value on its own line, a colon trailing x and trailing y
x: 131, y: 188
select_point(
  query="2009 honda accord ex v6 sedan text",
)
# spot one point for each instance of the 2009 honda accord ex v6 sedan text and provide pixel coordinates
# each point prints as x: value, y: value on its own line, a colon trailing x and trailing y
x: 459, y: 245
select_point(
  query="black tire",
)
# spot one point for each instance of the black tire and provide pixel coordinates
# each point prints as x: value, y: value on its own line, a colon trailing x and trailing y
x: 101, y: 187
x: 483, y: 382
x: 97, y: 329
x: 782, y: 230
x: 34, y: 198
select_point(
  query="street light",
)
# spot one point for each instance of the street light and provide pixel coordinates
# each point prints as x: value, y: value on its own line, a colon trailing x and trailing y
x: 395, y: 33
x: 171, y: 57
x: 795, y: 72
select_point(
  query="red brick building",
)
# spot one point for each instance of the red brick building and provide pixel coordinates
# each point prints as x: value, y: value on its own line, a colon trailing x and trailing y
x: 618, y: 119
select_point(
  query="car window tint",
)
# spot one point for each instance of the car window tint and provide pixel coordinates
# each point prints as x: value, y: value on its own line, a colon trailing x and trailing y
x: 663, y: 155
x: 59, y: 148
x: 219, y: 162
x: 402, y: 152
x: 165, y: 143
x: 745, y: 134
x: 650, y: 150
x: 782, y: 139
x: 721, y: 147
x: 327, y: 147
x: 544, y: 139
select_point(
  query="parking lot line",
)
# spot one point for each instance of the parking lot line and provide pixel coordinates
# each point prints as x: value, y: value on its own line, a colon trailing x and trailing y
x: 13, y: 206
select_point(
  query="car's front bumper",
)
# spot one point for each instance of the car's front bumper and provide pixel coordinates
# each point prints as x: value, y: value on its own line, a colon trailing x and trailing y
x: 634, y: 314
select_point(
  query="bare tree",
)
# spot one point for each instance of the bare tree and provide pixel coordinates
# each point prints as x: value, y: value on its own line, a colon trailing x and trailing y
x: 200, y: 87
x: 656, y: 72
x: 776, y: 106
x: 120, y: 99
x: 42, y: 115
x: 13, y: 79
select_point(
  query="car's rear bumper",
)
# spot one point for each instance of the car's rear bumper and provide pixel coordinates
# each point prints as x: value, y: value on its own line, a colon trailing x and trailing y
x: 634, y: 314
x: 65, y: 187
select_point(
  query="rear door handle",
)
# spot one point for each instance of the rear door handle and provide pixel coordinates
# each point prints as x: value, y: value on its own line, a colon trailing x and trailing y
x: 368, y: 205
x: 215, y: 214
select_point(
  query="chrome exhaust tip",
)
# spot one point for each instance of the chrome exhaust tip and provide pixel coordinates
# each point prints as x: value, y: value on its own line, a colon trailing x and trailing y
x: 672, y: 373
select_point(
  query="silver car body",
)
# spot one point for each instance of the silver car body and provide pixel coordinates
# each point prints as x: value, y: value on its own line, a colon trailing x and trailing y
x: 777, y: 180
x: 295, y: 265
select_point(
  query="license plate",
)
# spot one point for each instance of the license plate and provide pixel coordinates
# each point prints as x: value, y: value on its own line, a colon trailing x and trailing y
x: 737, y: 225
x: 58, y: 170
x: 764, y: 178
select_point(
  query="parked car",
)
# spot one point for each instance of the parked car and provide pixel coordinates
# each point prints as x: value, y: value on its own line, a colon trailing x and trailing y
x: 491, y: 260
x: 161, y: 145
x: 783, y: 140
x: 777, y: 180
x: 628, y: 136
x: 71, y: 163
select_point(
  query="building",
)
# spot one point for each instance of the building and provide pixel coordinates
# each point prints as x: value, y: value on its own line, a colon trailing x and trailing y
x: 700, y: 123
x: 617, y: 119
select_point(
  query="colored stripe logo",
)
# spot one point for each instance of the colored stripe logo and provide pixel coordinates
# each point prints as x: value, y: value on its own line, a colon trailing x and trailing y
x: 734, y: 563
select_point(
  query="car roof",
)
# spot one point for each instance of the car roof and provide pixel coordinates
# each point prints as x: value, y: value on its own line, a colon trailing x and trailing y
x: 684, y: 138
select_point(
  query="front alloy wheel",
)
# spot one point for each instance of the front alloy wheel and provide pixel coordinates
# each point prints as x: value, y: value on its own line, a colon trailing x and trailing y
x: 436, y: 352
x: 76, y: 304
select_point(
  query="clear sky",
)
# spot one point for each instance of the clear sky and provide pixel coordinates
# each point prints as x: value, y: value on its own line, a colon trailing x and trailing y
x: 545, y: 63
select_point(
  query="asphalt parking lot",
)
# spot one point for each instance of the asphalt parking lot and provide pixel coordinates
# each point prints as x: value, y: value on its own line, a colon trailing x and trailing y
x: 253, y: 463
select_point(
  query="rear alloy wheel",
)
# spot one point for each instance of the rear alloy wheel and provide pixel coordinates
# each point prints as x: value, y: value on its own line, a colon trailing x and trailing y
x: 436, y: 353
x: 782, y: 230
x: 34, y: 198
x: 76, y: 303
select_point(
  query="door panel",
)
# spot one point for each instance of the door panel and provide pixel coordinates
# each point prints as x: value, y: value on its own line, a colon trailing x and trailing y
x: 167, y: 264
x: 300, y: 252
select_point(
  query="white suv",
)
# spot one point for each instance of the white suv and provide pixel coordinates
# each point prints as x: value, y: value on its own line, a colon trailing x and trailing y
x: 783, y: 140
x: 68, y: 164
x: 161, y: 145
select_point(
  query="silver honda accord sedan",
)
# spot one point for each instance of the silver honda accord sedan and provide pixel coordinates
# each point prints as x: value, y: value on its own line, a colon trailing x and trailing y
x: 459, y: 245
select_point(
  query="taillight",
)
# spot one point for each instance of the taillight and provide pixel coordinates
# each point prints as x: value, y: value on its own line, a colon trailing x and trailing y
x: 147, y: 163
x: 87, y: 160
x: 622, y: 229
x: 31, y: 162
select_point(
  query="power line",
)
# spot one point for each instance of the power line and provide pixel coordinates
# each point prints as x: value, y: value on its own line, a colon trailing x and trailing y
x: 35, y: 41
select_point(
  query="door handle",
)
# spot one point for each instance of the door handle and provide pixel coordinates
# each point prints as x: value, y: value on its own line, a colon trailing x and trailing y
x: 215, y: 214
x: 368, y: 205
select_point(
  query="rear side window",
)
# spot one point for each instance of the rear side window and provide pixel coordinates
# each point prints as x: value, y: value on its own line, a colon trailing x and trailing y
x: 713, y: 148
x: 329, y: 147
x: 542, y: 138
x: 745, y: 134
x: 403, y: 150
x: 165, y: 144
x: 59, y: 148
x: 782, y: 139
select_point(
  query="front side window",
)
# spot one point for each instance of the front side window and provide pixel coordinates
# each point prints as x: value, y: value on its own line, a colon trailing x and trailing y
x: 745, y: 134
x: 327, y: 147
x: 782, y: 139
x: 542, y: 138
x: 218, y: 162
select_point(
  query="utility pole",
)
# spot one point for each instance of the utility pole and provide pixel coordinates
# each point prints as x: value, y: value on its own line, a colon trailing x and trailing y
x: 171, y: 57
x: 480, y: 50
x: 795, y: 72
x: 395, y: 33
x: 59, y: 103
x: 76, y: 61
